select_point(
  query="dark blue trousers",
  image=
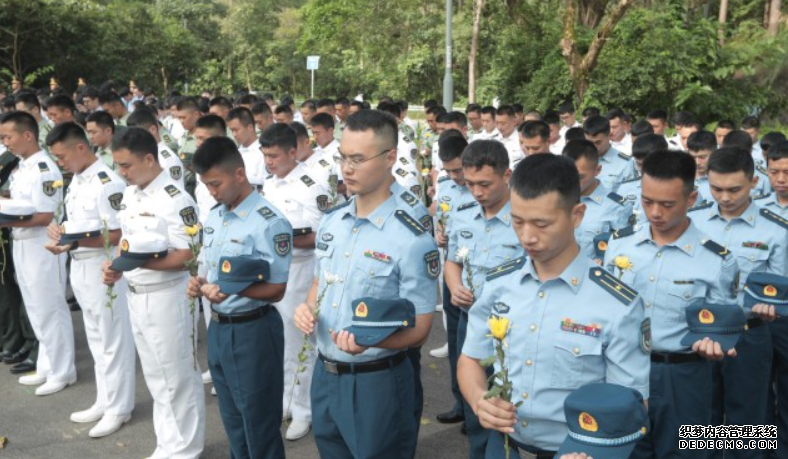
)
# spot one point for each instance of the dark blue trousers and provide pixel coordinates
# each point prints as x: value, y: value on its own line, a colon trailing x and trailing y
x: 247, y: 366
x: 452, y: 314
x: 777, y: 411
x: 414, y: 355
x: 477, y: 435
x: 679, y: 394
x: 496, y: 450
x: 364, y: 415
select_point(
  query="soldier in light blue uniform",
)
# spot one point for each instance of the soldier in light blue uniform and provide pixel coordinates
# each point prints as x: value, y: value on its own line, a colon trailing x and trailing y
x: 759, y: 241
x: 743, y: 141
x: 371, y: 246
x: 671, y: 263
x: 631, y: 189
x: 701, y: 144
x: 452, y: 193
x: 604, y: 211
x: 246, y: 338
x: 483, y: 229
x: 616, y: 166
x: 556, y: 343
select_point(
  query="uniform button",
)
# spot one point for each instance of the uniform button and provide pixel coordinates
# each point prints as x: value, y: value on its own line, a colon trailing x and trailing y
x: 347, y: 254
x: 752, y: 258
x: 334, y: 305
x: 330, y: 331
x: 484, y: 249
x: 488, y: 229
x: 651, y: 279
x: 541, y: 294
x: 528, y: 363
x: 525, y: 424
x: 225, y: 224
x: 659, y: 255
x: 525, y: 395
x: 371, y: 273
x: 648, y: 305
x: 533, y: 328
x: 727, y: 228
x: 478, y: 286
x: 576, y: 351
x: 686, y: 295
x: 355, y: 230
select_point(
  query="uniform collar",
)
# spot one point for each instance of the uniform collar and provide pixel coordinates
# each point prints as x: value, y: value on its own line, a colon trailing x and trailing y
x: 378, y: 216
x: 294, y: 174
x: 749, y: 215
x: 573, y: 275
x: 597, y: 195
x: 33, y: 159
x: 246, y: 207
x: 686, y: 242
x: 252, y: 147
x: 158, y: 183
x: 90, y: 172
x: 504, y: 215
x: 610, y: 155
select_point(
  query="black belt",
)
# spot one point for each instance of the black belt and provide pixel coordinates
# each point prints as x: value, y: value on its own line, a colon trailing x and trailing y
x: 341, y: 368
x: 661, y: 357
x: 240, y: 318
x: 755, y: 322
x: 530, y: 450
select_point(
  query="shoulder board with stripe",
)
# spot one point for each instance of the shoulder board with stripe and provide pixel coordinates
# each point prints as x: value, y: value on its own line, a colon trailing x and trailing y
x: 103, y: 177
x: 172, y: 190
x: 762, y: 170
x: 624, y: 232
x: 761, y: 196
x: 705, y: 205
x: 716, y: 248
x: 409, y: 198
x: 769, y: 215
x: 506, y: 268
x: 617, y: 198
x: 610, y: 283
x: 165, y: 154
x: 266, y: 212
x: 335, y: 208
x: 42, y: 167
x: 636, y: 179
x: 414, y: 226
x: 623, y: 155
x: 308, y: 181
x: 468, y: 205
x: 443, y: 178
x: 402, y: 172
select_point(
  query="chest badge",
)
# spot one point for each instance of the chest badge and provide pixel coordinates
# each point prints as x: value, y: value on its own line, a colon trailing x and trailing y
x: 377, y: 256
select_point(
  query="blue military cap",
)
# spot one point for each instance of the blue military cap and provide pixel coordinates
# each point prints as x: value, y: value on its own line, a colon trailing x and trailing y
x: 81, y: 229
x: 604, y: 420
x: 723, y: 323
x: 768, y: 289
x: 375, y: 319
x: 12, y: 210
x: 136, y: 249
x: 238, y: 273
x: 600, y: 244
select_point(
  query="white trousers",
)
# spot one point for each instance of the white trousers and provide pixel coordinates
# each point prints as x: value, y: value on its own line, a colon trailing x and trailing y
x: 109, y: 336
x: 162, y: 327
x: 298, y: 283
x: 42, y: 278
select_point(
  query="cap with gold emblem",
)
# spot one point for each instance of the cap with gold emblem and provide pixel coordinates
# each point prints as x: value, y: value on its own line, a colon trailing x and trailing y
x: 13, y: 210
x: 138, y: 248
x: 238, y: 273
x: 376, y: 319
x: 768, y: 289
x: 604, y: 420
x: 722, y: 323
x: 76, y: 230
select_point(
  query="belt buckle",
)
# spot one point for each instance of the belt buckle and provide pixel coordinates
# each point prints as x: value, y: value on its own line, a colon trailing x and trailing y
x: 331, y: 367
x: 132, y: 289
x: 214, y: 316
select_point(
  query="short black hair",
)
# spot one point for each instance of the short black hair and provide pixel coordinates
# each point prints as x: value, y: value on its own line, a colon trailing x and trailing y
x: 283, y: 109
x: 738, y: 139
x: 647, y: 144
x: 214, y: 122
x: 451, y: 147
x: 552, y: 117
x: 518, y: 108
x: 566, y: 108
x: 383, y: 125
x: 323, y: 103
x: 729, y: 160
x: 617, y: 113
x: 726, y: 124
x: 346, y: 103
x: 102, y: 119
x: 455, y: 117
x: 576, y: 149
x: 770, y: 139
x: 488, y: 110
x: 141, y: 117
x: 279, y: 135
x: 429, y: 103
x: 286, y: 99
x: 533, y: 129
x: 777, y: 151
x: 67, y: 131
x: 242, y: 114
x: 669, y: 165
x: 473, y: 108
x: 640, y: 128
x: 506, y: 110
x: 188, y: 103
x: 109, y: 97
x: 751, y: 122
x: 701, y: 140
x: 261, y: 108
x: 137, y: 140
x: 486, y: 153
x: 683, y: 118
x: 248, y: 99
x: 591, y: 111
x: 658, y: 114
x: 218, y: 152
x: 300, y: 130
x: 90, y: 92
x: 436, y: 110
x: 23, y: 122
x: 392, y: 108
x: 266, y: 96
x: 61, y: 101
x: 358, y: 104
x: 534, y: 114
x: 221, y: 101
x: 324, y: 120
x: 574, y: 133
x: 29, y: 99
x: 596, y: 125
x: 538, y: 175
x: 310, y: 104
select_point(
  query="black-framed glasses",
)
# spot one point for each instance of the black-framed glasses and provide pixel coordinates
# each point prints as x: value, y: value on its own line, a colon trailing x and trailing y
x: 354, y: 164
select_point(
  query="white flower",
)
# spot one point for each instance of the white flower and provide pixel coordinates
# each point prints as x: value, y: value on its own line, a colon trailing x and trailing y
x: 462, y: 253
x: 331, y: 278
x: 104, y: 218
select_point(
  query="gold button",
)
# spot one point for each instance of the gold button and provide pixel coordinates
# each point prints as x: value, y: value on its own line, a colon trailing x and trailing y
x: 525, y: 424
x: 224, y: 224
x: 576, y: 351
x: 355, y: 230
x: 330, y: 331
x: 533, y: 328
x: 528, y: 363
x: 541, y: 294
x: 525, y: 395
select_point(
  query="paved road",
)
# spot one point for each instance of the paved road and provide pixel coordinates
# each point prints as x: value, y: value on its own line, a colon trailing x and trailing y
x: 39, y: 427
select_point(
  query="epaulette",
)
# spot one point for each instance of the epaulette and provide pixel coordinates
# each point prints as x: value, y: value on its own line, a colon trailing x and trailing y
x: 172, y: 190
x: 762, y: 170
x: 468, y: 205
x: 323, y: 163
x: 104, y: 177
x: 308, y: 181
x: 621, y: 291
x: 769, y: 215
x: 414, y: 226
x: 443, y: 178
x: 624, y: 232
x: 600, y: 244
x: 404, y: 160
x: 409, y: 198
x: 617, y: 198
x: 506, y: 268
x: 335, y: 208
x: 42, y: 167
x: 716, y: 248
x: 165, y: 153
x: 761, y: 196
x: 623, y: 155
x: 705, y: 205
x: 402, y: 172
x: 266, y: 212
x: 636, y: 179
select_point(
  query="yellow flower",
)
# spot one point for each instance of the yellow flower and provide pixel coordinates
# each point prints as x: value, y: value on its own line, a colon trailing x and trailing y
x: 425, y: 172
x: 622, y: 262
x: 57, y: 184
x: 499, y: 326
x: 193, y: 230
x: 445, y: 207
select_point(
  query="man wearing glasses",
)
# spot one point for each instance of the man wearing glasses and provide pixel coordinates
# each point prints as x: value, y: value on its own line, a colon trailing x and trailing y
x: 363, y: 397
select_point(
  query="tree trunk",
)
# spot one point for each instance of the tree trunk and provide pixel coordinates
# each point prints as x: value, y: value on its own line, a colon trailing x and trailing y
x: 164, y: 79
x: 477, y: 19
x: 774, y: 17
x: 723, y: 18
